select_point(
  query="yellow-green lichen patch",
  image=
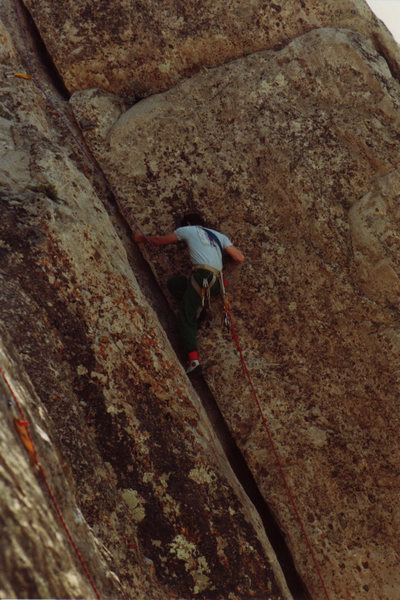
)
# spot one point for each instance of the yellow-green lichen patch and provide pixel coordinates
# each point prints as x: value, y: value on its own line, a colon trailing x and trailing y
x: 171, y: 507
x: 195, y: 564
x: 202, y: 475
x: 135, y: 503
x: 202, y: 581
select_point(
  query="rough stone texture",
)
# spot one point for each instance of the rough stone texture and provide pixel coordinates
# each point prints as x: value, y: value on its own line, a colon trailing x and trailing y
x: 136, y: 48
x: 294, y: 153
x: 374, y: 222
x: 131, y: 457
x: 37, y: 558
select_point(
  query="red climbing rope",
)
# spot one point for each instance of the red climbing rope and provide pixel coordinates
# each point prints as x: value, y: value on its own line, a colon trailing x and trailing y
x: 273, y: 447
x: 67, y: 531
x: 22, y: 426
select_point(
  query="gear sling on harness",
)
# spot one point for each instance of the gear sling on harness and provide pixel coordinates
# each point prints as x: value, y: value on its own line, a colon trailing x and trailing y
x: 204, y: 290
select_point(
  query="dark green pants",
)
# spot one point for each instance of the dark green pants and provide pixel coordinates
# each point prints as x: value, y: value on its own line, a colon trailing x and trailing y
x: 190, y: 307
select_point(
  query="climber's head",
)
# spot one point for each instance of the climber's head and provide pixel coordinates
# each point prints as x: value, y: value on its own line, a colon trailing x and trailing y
x: 192, y: 219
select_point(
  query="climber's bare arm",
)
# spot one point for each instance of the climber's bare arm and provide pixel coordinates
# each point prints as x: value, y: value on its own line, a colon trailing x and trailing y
x: 158, y: 240
x: 235, y: 253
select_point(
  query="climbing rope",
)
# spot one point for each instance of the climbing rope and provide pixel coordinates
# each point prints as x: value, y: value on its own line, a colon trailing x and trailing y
x: 22, y: 427
x: 229, y: 322
x: 227, y: 313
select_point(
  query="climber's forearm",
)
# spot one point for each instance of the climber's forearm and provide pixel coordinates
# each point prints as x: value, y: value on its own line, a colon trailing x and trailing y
x: 158, y: 240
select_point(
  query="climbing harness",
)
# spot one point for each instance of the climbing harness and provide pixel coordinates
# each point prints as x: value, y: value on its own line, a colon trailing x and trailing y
x: 204, y: 289
x: 22, y: 427
x: 227, y: 319
x: 204, y: 292
x: 225, y: 301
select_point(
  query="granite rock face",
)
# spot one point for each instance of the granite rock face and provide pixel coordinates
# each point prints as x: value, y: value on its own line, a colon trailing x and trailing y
x: 136, y: 49
x: 37, y: 559
x: 288, y: 141
x: 294, y: 154
x: 130, y: 456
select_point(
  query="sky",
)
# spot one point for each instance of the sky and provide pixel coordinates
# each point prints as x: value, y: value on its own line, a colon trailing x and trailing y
x: 388, y: 11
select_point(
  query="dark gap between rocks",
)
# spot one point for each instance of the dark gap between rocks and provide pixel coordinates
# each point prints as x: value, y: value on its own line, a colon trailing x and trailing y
x: 40, y: 52
x: 247, y: 481
x: 157, y: 300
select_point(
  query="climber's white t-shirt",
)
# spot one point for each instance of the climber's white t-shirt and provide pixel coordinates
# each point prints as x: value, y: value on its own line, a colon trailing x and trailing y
x: 203, y: 251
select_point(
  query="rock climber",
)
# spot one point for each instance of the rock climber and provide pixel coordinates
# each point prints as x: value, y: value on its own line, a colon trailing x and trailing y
x: 206, y: 247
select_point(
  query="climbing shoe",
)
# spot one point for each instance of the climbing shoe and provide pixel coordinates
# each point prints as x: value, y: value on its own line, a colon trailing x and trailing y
x: 193, y: 365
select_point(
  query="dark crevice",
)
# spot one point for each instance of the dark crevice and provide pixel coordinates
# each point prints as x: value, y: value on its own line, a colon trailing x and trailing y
x: 247, y: 481
x: 233, y: 454
x: 237, y: 462
x: 41, y: 53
